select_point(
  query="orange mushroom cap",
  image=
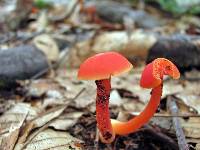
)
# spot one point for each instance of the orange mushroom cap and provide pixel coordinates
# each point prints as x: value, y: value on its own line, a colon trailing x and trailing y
x: 153, y: 73
x: 103, y: 65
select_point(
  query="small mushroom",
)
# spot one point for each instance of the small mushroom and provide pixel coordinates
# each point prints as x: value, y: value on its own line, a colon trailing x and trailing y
x: 152, y: 77
x: 100, y: 68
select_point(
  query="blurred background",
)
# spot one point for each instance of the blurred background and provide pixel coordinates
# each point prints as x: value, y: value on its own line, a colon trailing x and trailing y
x: 42, y: 44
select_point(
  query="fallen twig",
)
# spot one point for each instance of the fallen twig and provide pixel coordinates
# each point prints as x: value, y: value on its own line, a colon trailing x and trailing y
x: 176, y: 123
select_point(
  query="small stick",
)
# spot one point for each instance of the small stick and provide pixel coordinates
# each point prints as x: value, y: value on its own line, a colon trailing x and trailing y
x: 176, y: 123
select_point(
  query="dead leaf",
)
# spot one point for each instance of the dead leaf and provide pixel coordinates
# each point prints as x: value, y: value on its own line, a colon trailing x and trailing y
x: 48, y: 45
x: 190, y: 96
x: 192, y: 101
x: 9, y: 139
x: 12, y: 121
x: 49, y: 87
x: 198, y: 146
x: 66, y: 120
x: 41, y: 120
x: 191, y: 127
x: 171, y: 87
x: 50, y: 139
x: 15, y: 115
x: 73, y: 87
x: 163, y: 122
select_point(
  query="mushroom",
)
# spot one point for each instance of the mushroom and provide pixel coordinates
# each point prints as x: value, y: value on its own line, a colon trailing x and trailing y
x: 152, y: 77
x: 100, y: 68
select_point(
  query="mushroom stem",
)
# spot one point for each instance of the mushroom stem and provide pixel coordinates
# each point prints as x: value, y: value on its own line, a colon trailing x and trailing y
x: 102, y: 111
x: 122, y: 128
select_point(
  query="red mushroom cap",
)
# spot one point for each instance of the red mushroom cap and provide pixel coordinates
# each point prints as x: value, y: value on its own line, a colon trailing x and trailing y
x: 103, y: 65
x: 153, y: 73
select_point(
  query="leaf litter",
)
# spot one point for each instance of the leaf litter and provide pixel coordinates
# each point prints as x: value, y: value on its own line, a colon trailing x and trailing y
x: 58, y: 112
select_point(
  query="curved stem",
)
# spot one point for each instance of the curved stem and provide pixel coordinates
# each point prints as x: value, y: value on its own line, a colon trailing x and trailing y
x: 102, y: 110
x: 122, y: 128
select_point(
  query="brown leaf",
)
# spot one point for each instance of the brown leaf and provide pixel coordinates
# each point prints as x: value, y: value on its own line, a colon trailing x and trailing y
x: 41, y: 120
x: 12, y: 121
x: 47, y: 44
x: 190, y: 100
x: 40, y: 87
x: 66, y: 120
x: 50, y: 139
x: 15, y: 115
x: 73, y: 87
x: 191, y: 127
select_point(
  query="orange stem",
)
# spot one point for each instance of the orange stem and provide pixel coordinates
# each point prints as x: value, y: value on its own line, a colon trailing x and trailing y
x: 102, y: 110
x: 122, y: 128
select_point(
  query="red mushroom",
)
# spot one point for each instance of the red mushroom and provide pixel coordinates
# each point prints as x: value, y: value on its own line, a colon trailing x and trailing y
x: 100, y: 67
x: 152, y: 77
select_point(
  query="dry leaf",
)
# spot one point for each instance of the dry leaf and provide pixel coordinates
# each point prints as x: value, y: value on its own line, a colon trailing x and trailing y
x: 15, y: 115
x: 198, y: 146
x: 192, y: 101
x: 73, y: 87
x: 191, y: 127
x: 11, y: 122
x: 41, y: 120
x: 44, y: 118
x: 48, y: 45
x: 171, y: 87
x: 50, y: 139
x: 49, y: 87
x: 66, y: 120
x: 163, y: 122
